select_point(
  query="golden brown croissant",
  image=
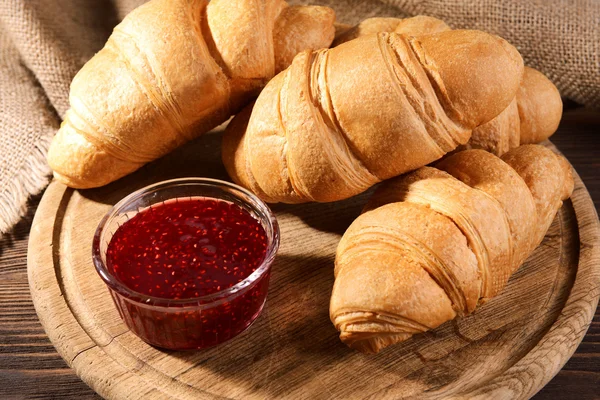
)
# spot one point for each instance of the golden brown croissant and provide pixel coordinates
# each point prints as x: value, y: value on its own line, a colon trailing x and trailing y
x: 439, y: 241
x: 172, y: 70
x: 532, y: 117
x: 413, y: 26
x: 339, y: 120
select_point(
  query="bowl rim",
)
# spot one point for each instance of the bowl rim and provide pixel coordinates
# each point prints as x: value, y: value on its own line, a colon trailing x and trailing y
x: 206, y: 301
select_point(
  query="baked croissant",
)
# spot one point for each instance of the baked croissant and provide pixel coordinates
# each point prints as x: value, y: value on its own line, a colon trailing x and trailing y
x: 172, y: 70
x: 414, y: 26
x: 436, y: 243
x: 339, y: 120
x: 533, y: 116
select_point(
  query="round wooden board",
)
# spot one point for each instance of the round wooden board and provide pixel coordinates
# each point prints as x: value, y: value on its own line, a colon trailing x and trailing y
x: 508, y: 349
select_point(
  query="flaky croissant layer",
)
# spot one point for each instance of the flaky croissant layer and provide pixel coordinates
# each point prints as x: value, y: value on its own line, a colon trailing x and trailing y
x: 531, y: 117
x: 172, y: 70
x: 339, y: 120
x: 436, y: 243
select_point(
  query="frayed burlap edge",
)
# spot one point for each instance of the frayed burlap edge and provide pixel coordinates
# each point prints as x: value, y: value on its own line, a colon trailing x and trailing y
x: 33, y: 177
x: 27, y: 124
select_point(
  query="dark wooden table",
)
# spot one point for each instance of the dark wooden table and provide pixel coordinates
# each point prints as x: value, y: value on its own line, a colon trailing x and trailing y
x: 30, y: 367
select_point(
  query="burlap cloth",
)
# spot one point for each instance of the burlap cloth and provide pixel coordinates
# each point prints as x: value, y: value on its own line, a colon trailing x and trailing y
x: 44, y: 42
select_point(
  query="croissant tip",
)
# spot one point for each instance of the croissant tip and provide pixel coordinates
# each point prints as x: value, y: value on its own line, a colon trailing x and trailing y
x: 372, y: 343
x: 364, y: 346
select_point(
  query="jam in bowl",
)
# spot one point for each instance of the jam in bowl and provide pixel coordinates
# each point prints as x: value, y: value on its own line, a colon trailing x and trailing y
x: 187, y: 261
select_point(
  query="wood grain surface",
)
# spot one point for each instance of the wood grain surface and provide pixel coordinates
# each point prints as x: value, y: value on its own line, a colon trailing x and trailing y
x: 31, y: 368
x: 508, y: 349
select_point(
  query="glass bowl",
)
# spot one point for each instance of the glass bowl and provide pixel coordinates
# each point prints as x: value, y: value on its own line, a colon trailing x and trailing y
x: 190, y: 323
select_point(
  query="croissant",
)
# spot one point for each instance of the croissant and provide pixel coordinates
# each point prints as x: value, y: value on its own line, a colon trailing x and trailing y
x: 413, y: 26
x: 436, y: 243
x: 339, y: 120
x: 532, y: 117
x: 170, y: 71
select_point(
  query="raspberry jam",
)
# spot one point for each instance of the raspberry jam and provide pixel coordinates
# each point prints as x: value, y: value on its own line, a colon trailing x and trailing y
x: 190, y: 254
x: 186, y: 249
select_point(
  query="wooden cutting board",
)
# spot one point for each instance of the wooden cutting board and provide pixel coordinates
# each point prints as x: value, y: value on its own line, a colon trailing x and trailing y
x: 508, y: 349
